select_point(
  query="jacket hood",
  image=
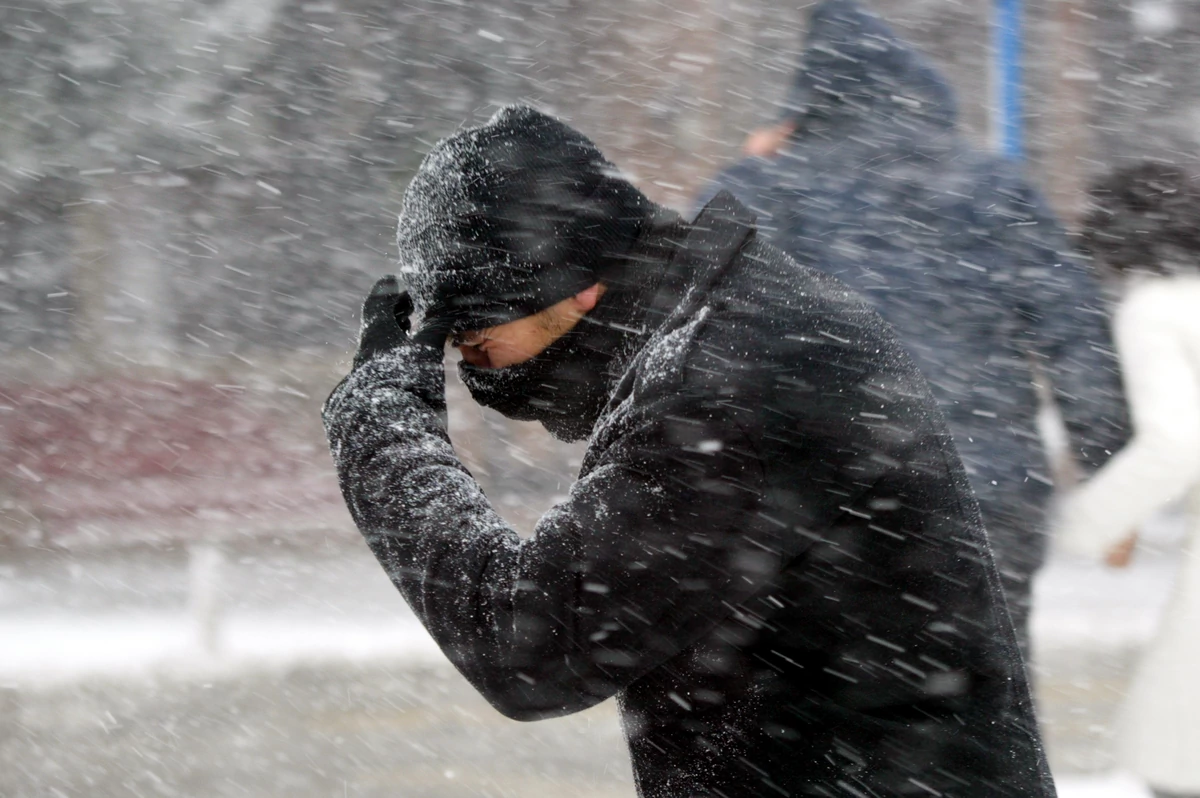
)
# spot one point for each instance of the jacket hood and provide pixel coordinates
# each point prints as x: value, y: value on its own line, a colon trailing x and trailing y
x: 505, y: 219
x: 854, y: 65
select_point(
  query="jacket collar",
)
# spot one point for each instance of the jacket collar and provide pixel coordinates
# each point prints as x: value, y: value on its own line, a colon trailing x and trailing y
x: 710, y: 246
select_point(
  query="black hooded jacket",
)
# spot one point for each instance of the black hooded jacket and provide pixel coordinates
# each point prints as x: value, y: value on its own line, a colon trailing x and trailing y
x: 771, y: 556
x: 878, y: 188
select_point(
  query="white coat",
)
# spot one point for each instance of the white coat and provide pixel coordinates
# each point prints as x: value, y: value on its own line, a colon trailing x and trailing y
x: 1157, y: 331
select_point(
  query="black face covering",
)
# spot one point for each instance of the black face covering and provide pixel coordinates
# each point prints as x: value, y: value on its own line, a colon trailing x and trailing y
x: 565, y: 387
x: 568, y: 384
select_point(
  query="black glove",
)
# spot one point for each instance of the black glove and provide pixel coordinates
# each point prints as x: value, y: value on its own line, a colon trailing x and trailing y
x: 385, y: 324
x: 388, y: 353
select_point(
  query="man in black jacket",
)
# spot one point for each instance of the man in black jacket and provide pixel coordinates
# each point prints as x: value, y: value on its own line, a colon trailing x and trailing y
x: 771, y: 556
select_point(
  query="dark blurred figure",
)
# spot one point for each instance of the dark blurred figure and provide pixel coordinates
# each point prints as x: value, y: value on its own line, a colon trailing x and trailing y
x: 865, y: 177
x: 1143, y: 230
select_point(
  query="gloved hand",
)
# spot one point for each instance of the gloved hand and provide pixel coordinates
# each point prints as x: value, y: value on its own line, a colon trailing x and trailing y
x: 385, y: 323
x: 410, y: 362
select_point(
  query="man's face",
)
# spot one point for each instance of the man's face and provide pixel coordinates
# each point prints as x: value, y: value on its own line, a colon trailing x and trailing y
x: 518, y: 341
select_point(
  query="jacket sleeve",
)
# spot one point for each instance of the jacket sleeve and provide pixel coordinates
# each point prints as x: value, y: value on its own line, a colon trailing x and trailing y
x: 1066, y: 330
x: 650, y: 551
x: 1163, y: 458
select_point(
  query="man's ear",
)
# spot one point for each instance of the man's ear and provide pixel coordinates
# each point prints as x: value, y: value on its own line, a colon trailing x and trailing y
x: 586, y: 299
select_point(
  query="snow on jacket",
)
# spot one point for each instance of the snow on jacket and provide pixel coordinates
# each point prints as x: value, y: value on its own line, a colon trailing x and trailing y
x: 771, y: 556
x: 960, y: 255
x: 1158, y: 340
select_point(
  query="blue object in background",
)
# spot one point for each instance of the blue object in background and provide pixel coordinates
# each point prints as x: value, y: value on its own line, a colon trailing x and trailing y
x: 1008, y: 124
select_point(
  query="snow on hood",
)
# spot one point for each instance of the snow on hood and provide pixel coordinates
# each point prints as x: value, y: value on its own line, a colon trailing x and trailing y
x: 854, y: 65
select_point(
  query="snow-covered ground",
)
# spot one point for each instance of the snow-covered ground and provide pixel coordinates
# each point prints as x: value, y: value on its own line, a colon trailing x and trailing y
x: 202, y: 612
x: 188, y: 617
x: 66, y: 617
x: 1084, y: 604
x: 1105, y: 785
x: 51, y: 648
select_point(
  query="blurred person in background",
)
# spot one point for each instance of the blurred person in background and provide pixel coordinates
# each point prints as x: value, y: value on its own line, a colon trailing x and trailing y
x: 1143, y: 230
x: 866, y: 177
x: 771, y: 556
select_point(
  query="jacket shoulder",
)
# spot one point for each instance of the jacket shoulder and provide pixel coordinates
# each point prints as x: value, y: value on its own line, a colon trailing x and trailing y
x: 774, y: 324
x: 781, y: 290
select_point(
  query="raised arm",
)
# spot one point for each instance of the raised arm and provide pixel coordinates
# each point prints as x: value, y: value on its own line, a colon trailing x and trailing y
x: 648, y: 553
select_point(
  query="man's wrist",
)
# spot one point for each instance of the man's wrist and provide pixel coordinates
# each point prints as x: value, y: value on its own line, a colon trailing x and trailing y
x: 413, y: 368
